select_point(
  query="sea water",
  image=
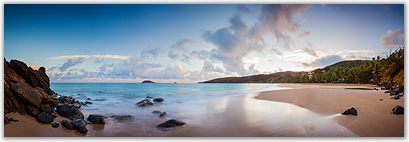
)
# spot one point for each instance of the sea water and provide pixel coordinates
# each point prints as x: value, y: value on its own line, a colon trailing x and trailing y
x: 208, y: 106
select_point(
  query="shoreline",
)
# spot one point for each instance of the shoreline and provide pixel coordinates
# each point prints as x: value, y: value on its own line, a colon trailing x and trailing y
x: 374, y: 119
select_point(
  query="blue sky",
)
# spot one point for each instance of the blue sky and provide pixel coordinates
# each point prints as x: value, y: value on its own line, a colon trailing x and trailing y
x: 192, y: 43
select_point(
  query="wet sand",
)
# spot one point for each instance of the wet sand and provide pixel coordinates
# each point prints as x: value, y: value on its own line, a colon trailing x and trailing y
x: 374, y: 116
x: 304, y: 110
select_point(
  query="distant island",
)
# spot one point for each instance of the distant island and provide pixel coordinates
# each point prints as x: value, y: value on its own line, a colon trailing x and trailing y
x: 147, y: 81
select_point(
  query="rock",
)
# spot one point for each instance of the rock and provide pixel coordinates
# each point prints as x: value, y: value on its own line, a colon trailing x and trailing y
x: 99, y: 92
x: 96, y: 119
x: 42, y: 73
x: 162, y: 114
x: 87, y: 102
x: 65, y: 110
x: 27, y: 93
x: 394, y: 93
x: 55, y: 125
x: 67, y: 125
x: 77, y: 114
x: 395, y: 97
x: 145, y: 102
x: 350, y: 111
x: 400, y: 88
x: 171, y: 123
x: 398, y: 110
x: 32, y: 110
x: 77, y: 105
x: 46, y: 108
x: 88, y: 98
x: 156, y: 111
x: 147, y: 81
x: 45, y: 118
x: 6, y: 120
x: 51, y: 102
x: 381, y: 99
x: 383, y: 88
x: 387, y: 91
x: 149, y: 97
x: 158, y: 99
x: 80, y: 124
x: 122, y: 117
x: 99, y: 100
x: 44, y: 94
x: 84, y: 104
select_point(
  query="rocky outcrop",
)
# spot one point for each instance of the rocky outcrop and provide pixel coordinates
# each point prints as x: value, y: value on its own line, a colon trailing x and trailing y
x: 171, y: 123
x: 350, y: 111
x: 80, y: 124
x: 96, y: 119
x: 45, y: 118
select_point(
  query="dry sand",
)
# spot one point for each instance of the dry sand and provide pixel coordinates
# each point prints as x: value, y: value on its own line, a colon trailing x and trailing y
x: 244, y: 115
x: 374, y: 116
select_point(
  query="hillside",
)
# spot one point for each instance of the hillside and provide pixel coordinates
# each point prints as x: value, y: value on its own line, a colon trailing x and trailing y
x: 348, y: 63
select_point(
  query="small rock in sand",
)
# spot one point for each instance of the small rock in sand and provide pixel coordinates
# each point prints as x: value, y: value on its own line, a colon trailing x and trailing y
x: 398, y: 110
x: 55, y: 125
x: 171, y: 123
x: 350, y: 111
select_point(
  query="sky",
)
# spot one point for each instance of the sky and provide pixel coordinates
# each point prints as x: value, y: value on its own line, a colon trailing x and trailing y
x: 189, y: 43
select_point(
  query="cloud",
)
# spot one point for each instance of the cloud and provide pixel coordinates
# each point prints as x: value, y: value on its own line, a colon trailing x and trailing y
x: 112, y: 56
x: 99, y: 60
x: 273, y: 50
x: 239, y: 40
x: 173, y: 55
x: 182, y: 43
x: 324, y: 61
x: 309, y: 51
x: 305, y: 34
x: 252, y: 70
x: 209, y: 67
x: 243, y: 9
x: 185, y: 59
x: 393, y: 38
x: 70, y: 63
x: 154, y: 51
x: 103, y: 68
x: 68, y: 57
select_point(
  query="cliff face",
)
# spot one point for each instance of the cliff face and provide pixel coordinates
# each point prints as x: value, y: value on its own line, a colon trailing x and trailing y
x: 25, y: 89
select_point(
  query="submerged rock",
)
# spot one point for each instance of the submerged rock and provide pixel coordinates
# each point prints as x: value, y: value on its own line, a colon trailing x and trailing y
x: 149, y: 97
x: 55, y: 125
x: 96, y: 119
x: 398, y: 110
x: 145, y: 102
x: 122, y: 117
x: 162, y: 114
x: 45, y: 118
x: 171, y: 123
x: 67, y: 125
x: 99, y: 100
x: 158, y: 100
x: 87, y: 102
x: 350, y: 111
x: 156, y: 111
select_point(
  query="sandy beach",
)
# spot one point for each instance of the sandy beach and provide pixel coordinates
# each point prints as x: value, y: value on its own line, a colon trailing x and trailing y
x: 303, y: 110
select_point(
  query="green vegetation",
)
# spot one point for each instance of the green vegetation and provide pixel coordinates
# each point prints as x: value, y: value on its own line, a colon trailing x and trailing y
x: 387, y: 71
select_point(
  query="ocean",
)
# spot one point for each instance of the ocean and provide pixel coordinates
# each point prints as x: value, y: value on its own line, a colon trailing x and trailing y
x: 208, y: 109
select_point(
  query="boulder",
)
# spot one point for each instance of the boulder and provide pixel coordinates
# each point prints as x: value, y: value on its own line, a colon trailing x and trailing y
x: 65, y: 110
x: 401, y: 88
x: 393, y: 92
x: 45, y: 118
x: 80, y: 124
x: 99, y: 100
x: 88, y: 98
x: 87, y: 102
x: 77, y: 105
x: 387, y: 91
x: 398, y: 110
x: 122, y: 117
x: 396, y: 97
x: 44, y: 94
x: 156, y: 111
x: 77, y: 114
x: 96, y: 119
x: 27, y: 93
x: 171, y: 123
x: 145, y: 102
x: 67, y: 125
x: 42, y: 73
x: 149, y: 97
x: 46, y: 108
x: 162, y: 114
x: 32, y: 110
x: 55, y: 125
x: 158, y: 100
x: 350, y: 111
x: 6, y: 120
x: 51, y: 102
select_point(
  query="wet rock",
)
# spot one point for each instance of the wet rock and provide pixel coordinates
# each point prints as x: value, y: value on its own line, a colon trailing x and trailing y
x: 87, y: 102
x: 45, y: 118
x: 156, y: 111
x: 80, y: 124
x: 149, y: 97
x: 88, y: 98
x: 6, y: 120
x: 394, y: 93
x: 46, y: 108
x: 162, y: 114
x: 387, y: 91
x: 400, y: 88
x: 122, y: 117
x: 77, y: 105
x: 350, y: 111
x: 32, y: 110
x: 67, y: 125
x: 171, y: 123
x: 84, y: 104
x: 158, y: 100
x: 55, y: 125
x: 396, y: 97
x: 51, y: 102
x: 96, y: 119
x: 145, y: 102
x: 99, y: 100
x: 27, y: 93
x: 398, y: 110
x: 65, y: 110
x: 77, y: 114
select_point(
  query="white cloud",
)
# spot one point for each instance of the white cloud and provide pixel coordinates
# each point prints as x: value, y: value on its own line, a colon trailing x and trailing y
x: 112, y: 56
x: 393, y: 39
x: 68, y: 57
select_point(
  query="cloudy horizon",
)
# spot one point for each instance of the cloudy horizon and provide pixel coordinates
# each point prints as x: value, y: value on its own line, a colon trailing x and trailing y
x: 195, y: 43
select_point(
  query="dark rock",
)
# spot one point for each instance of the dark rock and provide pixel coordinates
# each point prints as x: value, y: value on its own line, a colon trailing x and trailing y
x: 147, y: 81
x: 395, y: 97
x: 350, y: 111
x: 67, y: 125
x: 158, y: 99
x: 96, y: 119
x: 45, y: 118
x: 387, y: 91
x: 394, y: 93
x: 65, y: 110
x: 44, y: 94
x: 398, y: 110
x: 149, y: 97
x: 55, y: 125
x: 88, y: 98
x: 27, y: 93
x: 77, y: 105
x: 381, y: 99
x: 6, y: 120
x: 401, y: 88
x: 46, y: 108
x: 171, y: 123
x: 145, y: 102
x: 53, y: 116
x: 11, y: 119
x: 51, y: 102
x: 162, y: 114
x: 80, y: 124
x: 122, y: 117
x: 42, y: 73
x: 156, y: 111
x: 99, y: 100
x: 77, y: 114
x: 87, y: 102
x: 383, y: 88
x: 32, y: 110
